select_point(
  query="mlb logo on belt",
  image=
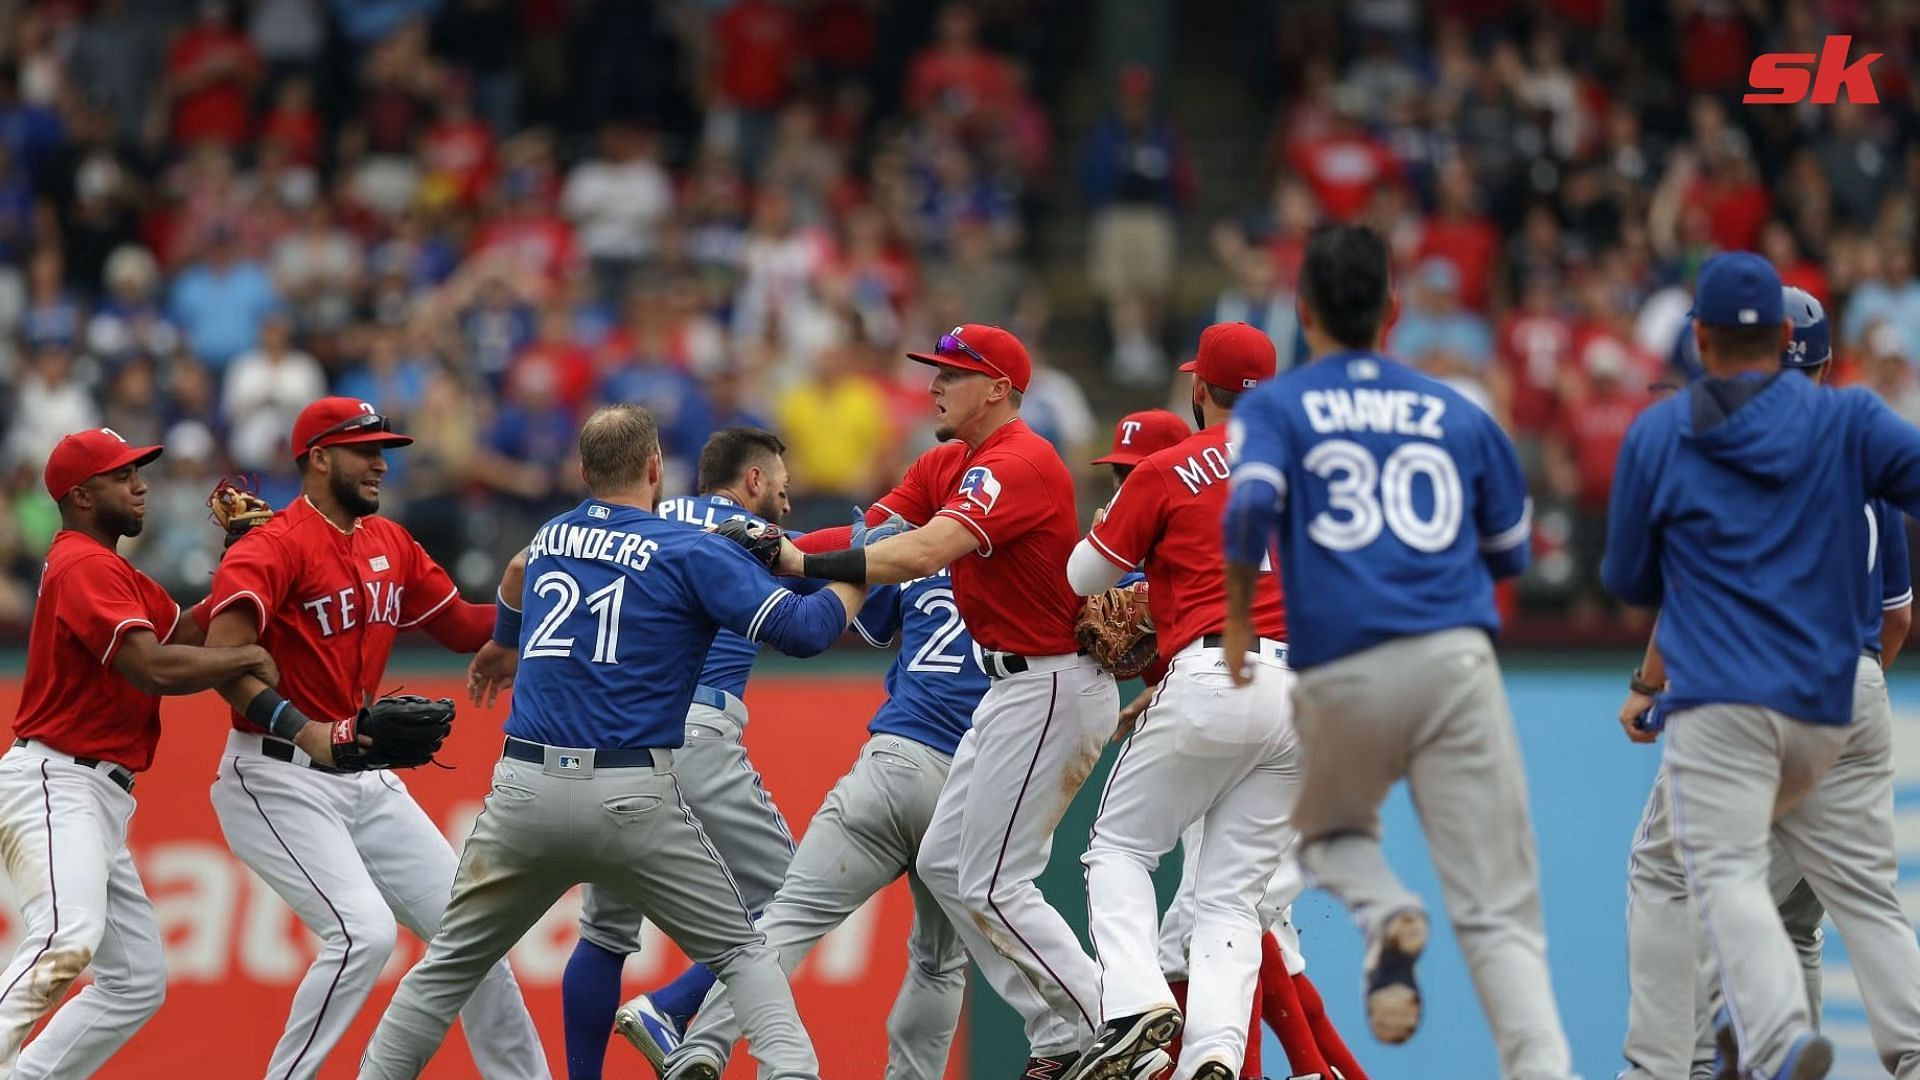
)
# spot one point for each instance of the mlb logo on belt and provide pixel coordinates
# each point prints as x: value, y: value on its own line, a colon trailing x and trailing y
x: 980, y: 485
x: 568, y: 761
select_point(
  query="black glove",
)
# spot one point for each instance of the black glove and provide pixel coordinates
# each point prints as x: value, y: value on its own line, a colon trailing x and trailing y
x: 761, y: 539
x: 406, y: 730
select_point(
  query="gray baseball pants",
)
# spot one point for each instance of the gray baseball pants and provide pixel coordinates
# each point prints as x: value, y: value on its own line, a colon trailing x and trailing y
x: 1671, y: 1001
x: 1828, y: 792
x: 865, y: 835
x: 1432, y: 709
x: 546, y: 827
x: 738, y: 815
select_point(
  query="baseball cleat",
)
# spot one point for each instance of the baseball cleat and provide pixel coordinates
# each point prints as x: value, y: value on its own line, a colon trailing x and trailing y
x: 1048, y: 1067
x: 651, y: 1031
x: 1393, y: 997
x: 1155, y: 1066
x: 695, y: 1064
x: 1213, y: 1070
x: 1126, y: 1040
x: 1809, y: 1059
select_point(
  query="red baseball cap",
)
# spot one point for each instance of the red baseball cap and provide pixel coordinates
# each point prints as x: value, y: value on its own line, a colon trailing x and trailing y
x: 1233, y: 356
x: 86, y: 454
x: 1145, y: 432
x: 338, y: 421
x: 985, y: 349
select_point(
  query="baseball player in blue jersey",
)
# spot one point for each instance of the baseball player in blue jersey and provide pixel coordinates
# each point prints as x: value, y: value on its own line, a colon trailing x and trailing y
x: 1776, y: 720
x: 1670, y: 970
x: 1397, y: 503
x: 742, y: 475
x: 868, y: 832
x: 617, y: 601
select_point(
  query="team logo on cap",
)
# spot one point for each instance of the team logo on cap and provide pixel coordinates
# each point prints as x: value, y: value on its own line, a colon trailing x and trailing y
x: 116, y: 435
x: 1128, y: 427
x: 980, y: 485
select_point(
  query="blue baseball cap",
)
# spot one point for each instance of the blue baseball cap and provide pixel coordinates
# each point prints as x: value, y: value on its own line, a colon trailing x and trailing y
x: 1812, y: 343
x: 1738, y: 288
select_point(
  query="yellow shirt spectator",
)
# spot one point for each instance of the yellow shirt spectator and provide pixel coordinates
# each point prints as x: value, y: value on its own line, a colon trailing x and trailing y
x: 836, y: 429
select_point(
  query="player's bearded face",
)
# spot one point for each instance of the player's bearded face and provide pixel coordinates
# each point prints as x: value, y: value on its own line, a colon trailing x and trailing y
x: 772, y: 503
x: 119, y: 502
x: 355, y: 478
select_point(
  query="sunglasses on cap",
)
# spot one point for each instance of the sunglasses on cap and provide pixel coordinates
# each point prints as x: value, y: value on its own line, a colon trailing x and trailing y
x: 951, y: 344
x: 361, y: 423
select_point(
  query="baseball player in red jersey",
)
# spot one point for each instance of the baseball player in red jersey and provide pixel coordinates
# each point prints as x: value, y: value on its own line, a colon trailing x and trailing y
x: 997, y: 504
x: 325, y: 587
x: 106, y: 641
x: 1139, y: 434
x: 1203, y: 750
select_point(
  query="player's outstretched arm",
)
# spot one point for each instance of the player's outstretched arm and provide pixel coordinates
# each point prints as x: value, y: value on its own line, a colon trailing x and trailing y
x: 188, y: 668
x: 910, y: 555
x: 1252, y: 515
x: 498, y: 661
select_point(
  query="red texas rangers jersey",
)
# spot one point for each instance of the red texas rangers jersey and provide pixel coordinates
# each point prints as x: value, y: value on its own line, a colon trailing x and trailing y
x: 329, y: 603
x: 90, y: 598
x: 1168, y: 514
x: 1016, y: 497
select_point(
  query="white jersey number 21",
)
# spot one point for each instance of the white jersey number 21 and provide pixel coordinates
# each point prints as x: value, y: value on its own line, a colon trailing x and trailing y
x: 604, y: 603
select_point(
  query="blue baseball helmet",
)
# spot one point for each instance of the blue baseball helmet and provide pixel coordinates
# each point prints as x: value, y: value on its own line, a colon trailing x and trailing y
x: 1812, y: 343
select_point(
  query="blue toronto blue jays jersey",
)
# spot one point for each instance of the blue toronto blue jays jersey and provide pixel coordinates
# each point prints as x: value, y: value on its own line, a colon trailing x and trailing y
x: 621, y: 605
x: 1731, y: 502
x: 1889, y: 573
x: 936, y: 681
x: 730, y: 657
x: 1399, y: 502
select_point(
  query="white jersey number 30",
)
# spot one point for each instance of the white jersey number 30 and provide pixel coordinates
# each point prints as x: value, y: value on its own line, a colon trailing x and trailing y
x: 1366, y: 495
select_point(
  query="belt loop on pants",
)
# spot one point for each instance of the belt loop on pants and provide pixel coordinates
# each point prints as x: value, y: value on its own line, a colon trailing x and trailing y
x: 119, y: 774
x: 1003, y: 665
x: 1263, y: 648
x: 571, y: 762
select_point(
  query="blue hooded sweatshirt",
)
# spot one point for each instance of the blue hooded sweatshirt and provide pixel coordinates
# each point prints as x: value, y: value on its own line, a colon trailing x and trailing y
x: 1740, y: 509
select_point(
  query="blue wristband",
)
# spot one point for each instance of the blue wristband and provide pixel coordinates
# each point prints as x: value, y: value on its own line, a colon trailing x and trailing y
x: 506, y: 624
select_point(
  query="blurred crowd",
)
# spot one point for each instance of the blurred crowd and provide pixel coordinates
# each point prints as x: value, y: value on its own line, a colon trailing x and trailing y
x: 1550, y: 176
x: 488, y: 216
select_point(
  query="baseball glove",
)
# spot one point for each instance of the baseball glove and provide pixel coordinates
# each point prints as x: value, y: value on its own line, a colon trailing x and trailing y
x: 237, y: 508
x: 1116, y: 629
x: 761, y: 539
x: 406, y: 730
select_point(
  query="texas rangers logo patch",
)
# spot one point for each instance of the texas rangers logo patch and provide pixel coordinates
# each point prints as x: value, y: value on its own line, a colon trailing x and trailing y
x: 980, y: 485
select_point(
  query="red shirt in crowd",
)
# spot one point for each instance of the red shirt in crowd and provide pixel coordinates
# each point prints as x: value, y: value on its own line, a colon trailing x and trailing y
x: 461, y: 153
x: 1166, y: 519
x: 568, y: 368
x: 1471, y: 244
x: 1533, y: 349
x: 757, y: 44
x: 216, y: 109
x: 1595, y: 424
x: 1343, y: 169
x: 1016, y: 496
x: 72, y: 699
x: 329, y: 604
x: 966, y: 82
x: 540, y: 240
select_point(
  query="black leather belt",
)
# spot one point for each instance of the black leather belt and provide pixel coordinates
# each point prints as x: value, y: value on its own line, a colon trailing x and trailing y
x: 281, y: 750
x: 1001, y: 665
x: 523, y: 750
x: 119, y: 774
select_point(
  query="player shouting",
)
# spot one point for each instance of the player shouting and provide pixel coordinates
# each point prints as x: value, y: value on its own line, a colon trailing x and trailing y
x: 1397, y: 502
x: 996, y: 504
x: 325, y: 587
x: 106, y: 642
